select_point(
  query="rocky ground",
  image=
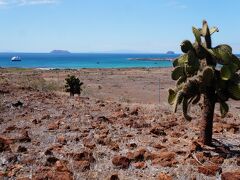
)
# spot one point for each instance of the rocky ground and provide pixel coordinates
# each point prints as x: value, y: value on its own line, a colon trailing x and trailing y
x: 101, y: 135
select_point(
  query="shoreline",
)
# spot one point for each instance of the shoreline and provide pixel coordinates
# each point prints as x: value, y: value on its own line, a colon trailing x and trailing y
x: 60, y: 69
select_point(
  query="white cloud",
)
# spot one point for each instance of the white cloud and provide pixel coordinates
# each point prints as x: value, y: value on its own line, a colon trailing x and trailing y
x: 25, y: 2
x: 176, y: 4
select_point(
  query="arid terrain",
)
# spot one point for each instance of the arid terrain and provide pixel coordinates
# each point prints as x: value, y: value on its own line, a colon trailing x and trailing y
x: 121, y: 127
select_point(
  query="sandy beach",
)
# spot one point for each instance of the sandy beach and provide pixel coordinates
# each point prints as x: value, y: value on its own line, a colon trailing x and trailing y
x: 120, y: 127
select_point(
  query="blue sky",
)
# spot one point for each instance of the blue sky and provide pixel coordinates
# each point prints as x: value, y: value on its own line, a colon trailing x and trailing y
x: 113, y: 25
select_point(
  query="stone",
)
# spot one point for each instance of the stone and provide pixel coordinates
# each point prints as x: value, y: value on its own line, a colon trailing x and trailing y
x: 121, y: 161
x: 83, y: 156
x: 82, y: 165
x: 158, y: 146
x: 89, y: 143
x: 21, y: 149
x: 5, y: 144
x: 209, y: 170
x: 158, y: 131
x: 114, y: 177
x: 132, y: 145
x: 165, y: 159
x: 231, y: 175
x: 196, y: 146
x: 24, y: 137
x: 134, y: 112
x: 103, y: 119
x: 51, y: 161
x: 139, y: 165
x: 163, y: 176
x: 54, y: 125
x: 61, y: 139
x: 114, y: 146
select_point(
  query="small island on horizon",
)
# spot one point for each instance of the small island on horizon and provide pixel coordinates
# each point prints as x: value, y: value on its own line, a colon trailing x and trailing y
x: 170, y: 52
x: 60, y: 52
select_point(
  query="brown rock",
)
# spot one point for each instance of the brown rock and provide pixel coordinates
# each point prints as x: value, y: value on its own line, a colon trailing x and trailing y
x: 132, y: 145
x: 196, y: 146
x: 158, y: 131
x: 158, y: 146
x: 54, y: 125
x: 21, y: 149
x: 139, y: 165
x: 24, y: 137
x: 61, y: 140
x: 5, y: 143
x: 51, y: 161
x: 103, y: 119
x: 114, y: 146
x: 163, y: 176
x: 217, y: 159
x: 89, y: 143
x: 82, y: 165
x: 209, y: 170
x: 114, y: 177
x: 139, y: 154
x: 121, y: 161
x: 134, y: 112
x: 83, y: 156
x: 165, y: 159
x: 231, y: 175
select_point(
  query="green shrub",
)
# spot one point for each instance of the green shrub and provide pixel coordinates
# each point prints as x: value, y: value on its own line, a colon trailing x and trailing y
x: 73, y: 85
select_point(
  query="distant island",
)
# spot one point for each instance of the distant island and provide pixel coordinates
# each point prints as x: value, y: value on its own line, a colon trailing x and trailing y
x: 170, y: 52
x: 60, y: 52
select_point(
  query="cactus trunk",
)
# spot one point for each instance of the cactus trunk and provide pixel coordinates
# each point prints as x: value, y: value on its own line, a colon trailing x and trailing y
x: 207, y: 118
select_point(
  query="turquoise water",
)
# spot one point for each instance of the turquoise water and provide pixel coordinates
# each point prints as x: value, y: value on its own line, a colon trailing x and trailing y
x: 83, y: 60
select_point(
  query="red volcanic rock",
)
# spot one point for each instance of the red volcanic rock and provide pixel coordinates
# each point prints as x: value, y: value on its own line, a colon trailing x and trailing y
x: 24, y: 137
x: 134, y: 112
x: 114, y: 146
x: 131, y: 145
x: 231, y: 175
x: 5, y: 143
x: 83, y: 156
x: 158, y: 146
x: 51, y: 161
x: 21, y: 149
x: 163, y: 176
x: 217, y: 159
x: 165, y: 159
x: 121, y: 161
x: 59, y: 171
x: 210, y: 170
x: 54, y: 125
x: 114, y: 177
x: 82, y: 165
x: 61, y: 140
x: 196, y: 146
x: 89, y: 143
x: 139, y: 165
x: 158, y: 131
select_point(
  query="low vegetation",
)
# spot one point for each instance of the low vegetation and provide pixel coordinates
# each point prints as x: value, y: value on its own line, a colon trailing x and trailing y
x: 73, y: 85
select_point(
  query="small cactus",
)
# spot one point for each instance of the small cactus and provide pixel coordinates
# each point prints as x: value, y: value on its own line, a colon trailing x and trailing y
x: 210, y: 72
x: 73, y: 85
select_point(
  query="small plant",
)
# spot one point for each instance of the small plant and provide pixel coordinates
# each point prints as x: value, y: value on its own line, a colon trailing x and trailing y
x: 208, y: 72
x: 73, y: 85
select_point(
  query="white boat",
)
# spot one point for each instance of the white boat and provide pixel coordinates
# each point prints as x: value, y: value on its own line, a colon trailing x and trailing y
x: 16, y: 58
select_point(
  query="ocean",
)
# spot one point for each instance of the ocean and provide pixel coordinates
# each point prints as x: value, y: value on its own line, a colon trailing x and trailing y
x: 85, y: 60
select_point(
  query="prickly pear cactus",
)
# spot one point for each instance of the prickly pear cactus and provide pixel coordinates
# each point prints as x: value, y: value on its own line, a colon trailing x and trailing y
x: 203, y: 66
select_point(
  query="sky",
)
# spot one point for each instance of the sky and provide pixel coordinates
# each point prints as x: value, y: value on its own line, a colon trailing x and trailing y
x: 147, y: 26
